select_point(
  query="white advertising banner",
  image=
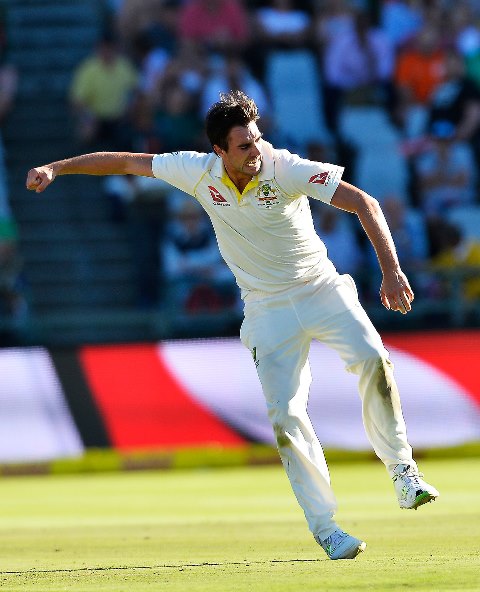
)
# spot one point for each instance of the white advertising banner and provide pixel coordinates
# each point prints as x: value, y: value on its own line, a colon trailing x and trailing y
x: 221, y: 375
x: 35, y: 422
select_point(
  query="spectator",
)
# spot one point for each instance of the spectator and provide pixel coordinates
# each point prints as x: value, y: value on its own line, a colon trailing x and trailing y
x: 278, y: 25
x: 156, y: 19
x: 194, y: 269
x: 218, y: 25
x: 8, y: 91
x: 420, y: 70
x: 187, y: 68
x: 457, y: 101
x: 332, y: 19
x: 167, y: 113
x: 456, y: 254
x: 151, y: 61
x: 466, y: 30
x: 401, y: 20
x: 176, y: 122
x: 101, y: 92
x: 358, y: 67
x: 231, y: 73
x: 13, y: 305
x: 445, y: 172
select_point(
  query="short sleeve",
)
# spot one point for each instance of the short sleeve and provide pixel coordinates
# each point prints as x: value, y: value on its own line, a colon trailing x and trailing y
x: 181, y: 169
x: 299, y: 176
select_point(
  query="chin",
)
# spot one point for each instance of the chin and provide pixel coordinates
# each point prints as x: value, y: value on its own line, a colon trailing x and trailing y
x: 253, y: 170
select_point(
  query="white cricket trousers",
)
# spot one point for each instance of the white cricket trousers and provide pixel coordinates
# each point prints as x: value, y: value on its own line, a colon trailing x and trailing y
x: 278, y: 330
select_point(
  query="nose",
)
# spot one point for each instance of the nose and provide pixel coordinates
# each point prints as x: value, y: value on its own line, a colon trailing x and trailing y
x: 254, y: 151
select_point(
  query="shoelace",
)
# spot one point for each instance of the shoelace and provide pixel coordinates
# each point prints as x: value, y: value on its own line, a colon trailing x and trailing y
x: 411, y: 474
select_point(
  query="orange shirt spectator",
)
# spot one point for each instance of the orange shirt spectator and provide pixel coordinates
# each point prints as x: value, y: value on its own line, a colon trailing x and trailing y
x: 421, y: 68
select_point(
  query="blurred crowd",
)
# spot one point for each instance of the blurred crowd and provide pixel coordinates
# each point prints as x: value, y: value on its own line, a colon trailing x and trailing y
x: 161, y: 63
x: 393, y: 85
x: 13, y: 304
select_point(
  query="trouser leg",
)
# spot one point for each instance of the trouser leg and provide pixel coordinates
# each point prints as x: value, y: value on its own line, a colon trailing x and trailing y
x: 358, y: 343
x: 343, y: 325
x: 382, y: 411
x: 285, y: 378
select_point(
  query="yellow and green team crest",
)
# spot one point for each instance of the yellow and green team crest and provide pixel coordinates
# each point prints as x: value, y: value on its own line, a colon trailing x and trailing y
x: 266, y: 189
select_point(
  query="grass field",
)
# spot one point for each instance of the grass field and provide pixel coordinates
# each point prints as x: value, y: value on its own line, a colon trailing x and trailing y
x: 234, y: 530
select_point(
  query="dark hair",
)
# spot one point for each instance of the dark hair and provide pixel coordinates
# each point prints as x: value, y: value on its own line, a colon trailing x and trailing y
x: 233, y: 108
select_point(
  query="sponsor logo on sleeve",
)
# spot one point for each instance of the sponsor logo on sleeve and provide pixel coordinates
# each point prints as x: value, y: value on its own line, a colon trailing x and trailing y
x: 320, y: 178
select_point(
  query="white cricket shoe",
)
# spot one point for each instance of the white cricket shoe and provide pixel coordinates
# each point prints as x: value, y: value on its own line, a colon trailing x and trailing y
x: 412, y: 491
x: 340, y: 545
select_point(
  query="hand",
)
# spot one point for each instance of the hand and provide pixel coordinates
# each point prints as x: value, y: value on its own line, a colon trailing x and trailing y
x: 39, y: 179
x: 396, y: 293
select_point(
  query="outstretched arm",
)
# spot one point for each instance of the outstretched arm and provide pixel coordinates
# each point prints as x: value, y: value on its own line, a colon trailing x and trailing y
x: 97, y: 163
x: 395, y: 291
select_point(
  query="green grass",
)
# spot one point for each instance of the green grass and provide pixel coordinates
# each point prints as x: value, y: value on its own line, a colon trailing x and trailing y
x: 234, y: 530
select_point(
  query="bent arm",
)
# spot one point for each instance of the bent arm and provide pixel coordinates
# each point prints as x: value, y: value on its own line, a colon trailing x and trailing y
x: 395, y: 291
x: 97, y: 163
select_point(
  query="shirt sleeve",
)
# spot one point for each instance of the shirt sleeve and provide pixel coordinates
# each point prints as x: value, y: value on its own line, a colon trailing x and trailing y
x: 181, y: 169
x: 299, y: 176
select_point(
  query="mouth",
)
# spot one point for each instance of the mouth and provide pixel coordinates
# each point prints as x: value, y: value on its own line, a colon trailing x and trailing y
x: 255, y: 163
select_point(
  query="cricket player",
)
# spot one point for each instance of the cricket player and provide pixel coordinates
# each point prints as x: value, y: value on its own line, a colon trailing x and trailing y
x: 256, y: 198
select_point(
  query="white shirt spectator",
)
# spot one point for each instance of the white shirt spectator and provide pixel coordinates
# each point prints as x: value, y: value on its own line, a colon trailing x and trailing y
x: 348, y: 65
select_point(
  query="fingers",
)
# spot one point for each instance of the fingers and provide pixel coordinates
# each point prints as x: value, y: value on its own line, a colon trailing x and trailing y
x: 33, y: 180
x: 37, y: 180
x: 398, y: 302
x: 396, y: 293
x: 403, y: 303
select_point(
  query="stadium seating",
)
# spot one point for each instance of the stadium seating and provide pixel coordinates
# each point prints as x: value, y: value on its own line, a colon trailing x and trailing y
x: 77, y: 261
x: 380, y: 166
x: 293, y: 82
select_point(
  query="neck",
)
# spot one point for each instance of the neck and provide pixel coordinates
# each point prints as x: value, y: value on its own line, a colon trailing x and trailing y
x: 240, y: 180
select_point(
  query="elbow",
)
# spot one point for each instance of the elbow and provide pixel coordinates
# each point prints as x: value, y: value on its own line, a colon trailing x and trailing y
x: 367, y: 205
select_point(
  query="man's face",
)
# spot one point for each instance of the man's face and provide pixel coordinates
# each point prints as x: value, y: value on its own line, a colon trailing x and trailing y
x: 243, y: 155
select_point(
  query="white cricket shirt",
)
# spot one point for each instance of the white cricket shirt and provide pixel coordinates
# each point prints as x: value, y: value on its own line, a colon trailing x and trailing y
x: 266, y: 234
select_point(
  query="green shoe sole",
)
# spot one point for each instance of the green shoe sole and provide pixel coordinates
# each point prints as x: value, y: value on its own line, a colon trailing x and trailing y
x: 423, y: 498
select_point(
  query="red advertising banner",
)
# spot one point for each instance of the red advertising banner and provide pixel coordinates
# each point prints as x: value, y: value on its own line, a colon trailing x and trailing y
x: 206, y: 392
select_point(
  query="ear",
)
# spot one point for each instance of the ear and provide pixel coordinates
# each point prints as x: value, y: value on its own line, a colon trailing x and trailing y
x: 218, y: 151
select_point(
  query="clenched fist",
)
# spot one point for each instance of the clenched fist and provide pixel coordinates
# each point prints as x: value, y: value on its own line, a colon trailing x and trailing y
x: 38, y: 179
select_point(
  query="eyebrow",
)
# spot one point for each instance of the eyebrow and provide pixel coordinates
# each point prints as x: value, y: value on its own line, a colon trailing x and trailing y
x: 259, y: 137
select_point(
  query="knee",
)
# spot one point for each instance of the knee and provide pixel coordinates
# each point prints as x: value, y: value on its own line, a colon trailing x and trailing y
x: 283, y: 422
x: 278, y: 414
x: 374, y: 362
x: 376, y: 377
